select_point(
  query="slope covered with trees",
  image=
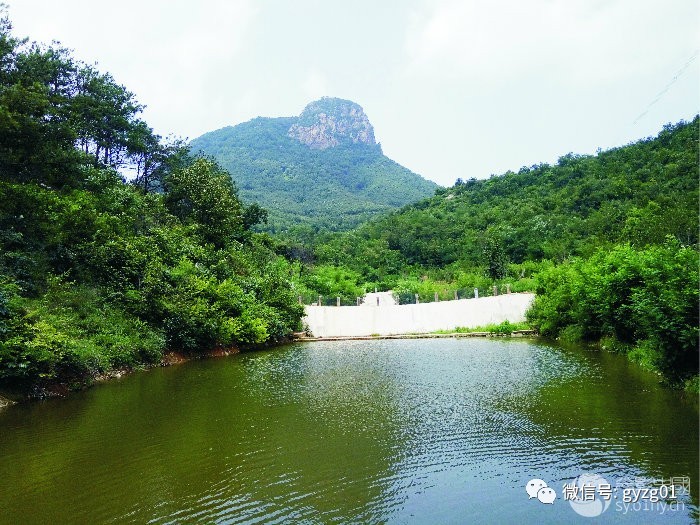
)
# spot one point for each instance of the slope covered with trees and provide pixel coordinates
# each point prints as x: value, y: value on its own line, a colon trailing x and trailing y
x: 609, y: 242
x: 639, y: 193
x: 311, y: 175
x: 97, y: 273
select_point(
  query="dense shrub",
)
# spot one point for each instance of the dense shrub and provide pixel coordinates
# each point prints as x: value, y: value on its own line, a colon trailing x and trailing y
x: 71, y: 334
x: 97, y: 273
x: 643, y: 299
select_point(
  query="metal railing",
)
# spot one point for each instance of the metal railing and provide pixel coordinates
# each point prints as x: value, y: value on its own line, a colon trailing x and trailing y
x: 406, y: 297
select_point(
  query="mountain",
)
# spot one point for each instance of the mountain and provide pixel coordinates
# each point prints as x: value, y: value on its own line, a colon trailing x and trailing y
x: 322, y: 169
x: 639, y: 194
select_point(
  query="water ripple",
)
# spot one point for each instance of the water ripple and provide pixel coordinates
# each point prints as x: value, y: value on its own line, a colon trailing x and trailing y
x: 351, y: 432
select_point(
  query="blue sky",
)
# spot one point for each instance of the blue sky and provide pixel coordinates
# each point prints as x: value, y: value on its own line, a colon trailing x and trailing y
x: 453, y: 88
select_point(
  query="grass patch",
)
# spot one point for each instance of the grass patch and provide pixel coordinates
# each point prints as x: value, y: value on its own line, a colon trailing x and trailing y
x: 504, y: 328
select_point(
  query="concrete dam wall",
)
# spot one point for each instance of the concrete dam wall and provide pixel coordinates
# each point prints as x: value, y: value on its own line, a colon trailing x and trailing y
x: 348, y: 321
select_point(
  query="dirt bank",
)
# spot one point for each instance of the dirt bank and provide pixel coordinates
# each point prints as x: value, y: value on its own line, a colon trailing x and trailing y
x: 63, y: 388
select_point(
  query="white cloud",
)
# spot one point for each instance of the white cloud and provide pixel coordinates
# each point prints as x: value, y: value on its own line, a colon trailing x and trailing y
x: 178, y: 57
x: 315, y: 84
x: 572, y: 41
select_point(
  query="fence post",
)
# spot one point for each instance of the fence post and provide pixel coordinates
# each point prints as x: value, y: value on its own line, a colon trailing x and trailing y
x: 377, y: 300
x: 300, y: 301
x: 508, y: 288
x: 495, y: 289
x: 476, y: 293
x: 436, y: 297
x: 358, y: 302
x: 320, y: 300
x: 416, y: 298
x: 337, y: 301
x: 456, y: 296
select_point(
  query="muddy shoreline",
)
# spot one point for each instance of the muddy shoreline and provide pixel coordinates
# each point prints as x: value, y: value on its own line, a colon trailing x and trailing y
x: 63, y: 389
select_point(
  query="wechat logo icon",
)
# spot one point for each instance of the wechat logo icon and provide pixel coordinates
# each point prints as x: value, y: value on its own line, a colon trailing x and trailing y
x: 537, y: 488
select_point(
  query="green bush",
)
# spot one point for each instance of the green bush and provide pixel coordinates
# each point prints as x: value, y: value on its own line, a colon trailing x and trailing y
x: 505, y: 328
x: 71, y: 334
x: 646, y: 299
x: 571, y: 334
x: 692, y: 385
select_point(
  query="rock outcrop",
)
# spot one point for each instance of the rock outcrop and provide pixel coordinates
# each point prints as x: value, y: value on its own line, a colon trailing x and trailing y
x: 320, y: 170
x: 329, y: 122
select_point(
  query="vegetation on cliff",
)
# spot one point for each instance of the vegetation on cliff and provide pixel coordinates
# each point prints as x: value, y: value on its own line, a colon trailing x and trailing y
x: 318, y: 172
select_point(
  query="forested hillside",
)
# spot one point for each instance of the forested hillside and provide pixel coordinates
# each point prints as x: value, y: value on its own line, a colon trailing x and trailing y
x: 609, y: 242
x: 97, y: 273
x: 638, y: 193
x: 320, y: 171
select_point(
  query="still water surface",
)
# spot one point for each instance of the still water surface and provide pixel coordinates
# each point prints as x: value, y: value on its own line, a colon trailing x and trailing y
x: 403, y: 431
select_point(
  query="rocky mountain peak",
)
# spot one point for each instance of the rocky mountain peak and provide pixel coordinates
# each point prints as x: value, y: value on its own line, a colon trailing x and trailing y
x: 329, y: 122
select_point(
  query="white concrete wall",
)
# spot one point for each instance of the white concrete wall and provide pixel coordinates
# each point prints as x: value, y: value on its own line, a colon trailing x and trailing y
x: 336, y: 321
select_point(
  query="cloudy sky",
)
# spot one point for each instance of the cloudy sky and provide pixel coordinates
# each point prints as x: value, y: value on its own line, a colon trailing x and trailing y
x: 453, y: 88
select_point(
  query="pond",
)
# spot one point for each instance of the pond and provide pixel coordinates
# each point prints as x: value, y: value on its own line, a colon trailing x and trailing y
x: 387, y: 431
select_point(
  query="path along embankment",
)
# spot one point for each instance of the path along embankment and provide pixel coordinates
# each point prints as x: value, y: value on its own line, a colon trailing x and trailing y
x: 424, y: 318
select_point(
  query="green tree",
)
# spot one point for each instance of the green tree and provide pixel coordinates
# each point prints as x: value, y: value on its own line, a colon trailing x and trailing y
x: 494, y: 255
x: 203, y: 194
